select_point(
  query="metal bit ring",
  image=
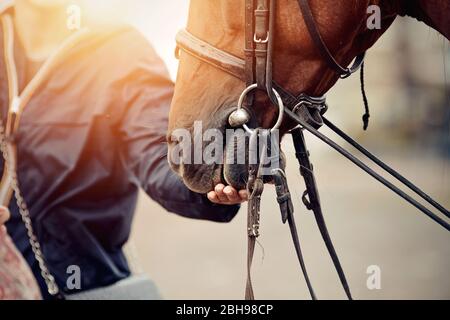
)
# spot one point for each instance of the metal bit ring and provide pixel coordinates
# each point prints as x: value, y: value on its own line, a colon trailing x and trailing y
x: 279, y: 101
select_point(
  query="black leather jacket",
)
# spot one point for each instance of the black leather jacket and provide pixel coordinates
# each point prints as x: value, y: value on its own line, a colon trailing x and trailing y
x: 91, y: 135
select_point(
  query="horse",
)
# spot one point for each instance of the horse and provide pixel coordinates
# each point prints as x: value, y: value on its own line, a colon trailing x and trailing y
x: 205, y: 93
x: 249, y: 64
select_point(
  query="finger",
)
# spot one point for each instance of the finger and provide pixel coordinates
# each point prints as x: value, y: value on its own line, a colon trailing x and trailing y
x: 232, y: 194
x: 243, y: 194
x: 220, y: 194
x: 4, y: 215
x: 212, y: 196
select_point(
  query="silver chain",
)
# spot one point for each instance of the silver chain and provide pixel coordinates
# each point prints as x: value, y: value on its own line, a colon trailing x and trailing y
x: 52, y: 287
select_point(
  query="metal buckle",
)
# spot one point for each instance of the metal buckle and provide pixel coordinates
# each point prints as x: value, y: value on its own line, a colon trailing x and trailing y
x: 266, y: 40
x: 254, y: 231
x: 347, y: 74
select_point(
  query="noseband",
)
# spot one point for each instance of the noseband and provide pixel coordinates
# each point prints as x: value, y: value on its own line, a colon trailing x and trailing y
x: 308, y: 112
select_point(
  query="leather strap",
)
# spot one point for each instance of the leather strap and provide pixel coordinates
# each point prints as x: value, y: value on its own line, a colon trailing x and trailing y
x: 211, y: 55
x: 287, y: 215
x: 255, y: 188
x: 249, y: 63
x: 270, y: 45
x: 252, y: 224
x: 313, y: 202
x: 322, y: 47
x: 300, y: 121
x: 386, y: 168
x: 261, y: 39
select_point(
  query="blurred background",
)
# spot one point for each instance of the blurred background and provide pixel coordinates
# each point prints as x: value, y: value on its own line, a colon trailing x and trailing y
x: 408, y: 92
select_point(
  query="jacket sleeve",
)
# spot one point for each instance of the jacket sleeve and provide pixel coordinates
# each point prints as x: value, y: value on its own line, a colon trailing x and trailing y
x: 147, y: 94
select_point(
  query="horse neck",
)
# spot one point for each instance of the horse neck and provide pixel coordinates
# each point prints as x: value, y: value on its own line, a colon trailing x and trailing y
x: 434, y: 13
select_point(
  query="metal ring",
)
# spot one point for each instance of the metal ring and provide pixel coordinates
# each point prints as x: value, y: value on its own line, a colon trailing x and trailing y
x: 280, y: 105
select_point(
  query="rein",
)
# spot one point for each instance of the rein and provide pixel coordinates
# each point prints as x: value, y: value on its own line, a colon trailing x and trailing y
x: 306, y: 111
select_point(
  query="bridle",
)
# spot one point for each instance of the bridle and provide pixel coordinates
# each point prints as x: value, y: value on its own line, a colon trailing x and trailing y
x: 256, y: 67
x: 306, y: 111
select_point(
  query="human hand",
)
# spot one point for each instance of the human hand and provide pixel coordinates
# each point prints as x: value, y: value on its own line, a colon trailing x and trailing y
x: 227, y: 195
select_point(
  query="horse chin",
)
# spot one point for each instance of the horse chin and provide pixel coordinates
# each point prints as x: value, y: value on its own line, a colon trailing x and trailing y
x: 201, y: 178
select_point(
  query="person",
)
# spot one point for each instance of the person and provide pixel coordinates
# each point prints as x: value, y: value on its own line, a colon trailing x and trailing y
x: 85, y: 116
x: 16, y: 280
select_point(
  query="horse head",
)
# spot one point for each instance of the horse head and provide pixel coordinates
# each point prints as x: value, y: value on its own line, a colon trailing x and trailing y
x: 208, y: 94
